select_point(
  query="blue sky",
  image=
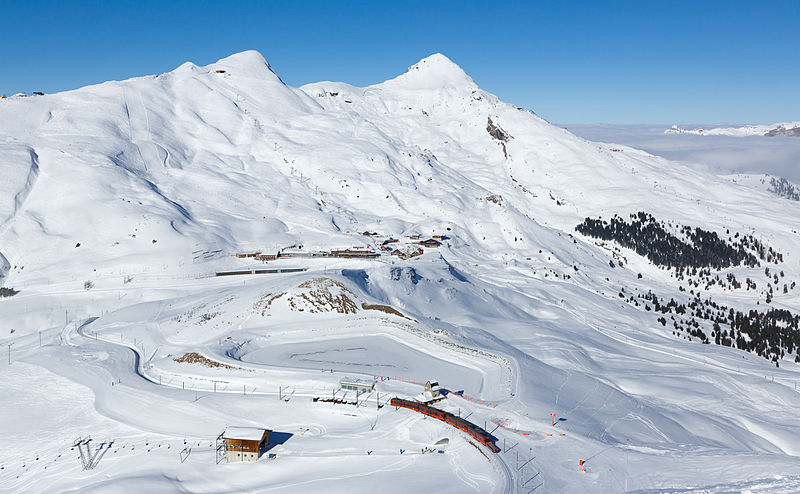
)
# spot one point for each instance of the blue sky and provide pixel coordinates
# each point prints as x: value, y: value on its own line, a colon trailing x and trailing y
x: 571, y: 62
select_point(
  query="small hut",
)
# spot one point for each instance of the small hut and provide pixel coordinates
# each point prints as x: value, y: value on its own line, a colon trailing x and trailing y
x: 431, y: 394
x: 245, y: 443
x: 358, y: 385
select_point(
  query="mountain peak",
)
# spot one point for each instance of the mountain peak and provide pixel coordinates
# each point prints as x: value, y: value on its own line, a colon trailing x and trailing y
x: 249, y: 63
x: 247, y: 57
x: 434, y: 71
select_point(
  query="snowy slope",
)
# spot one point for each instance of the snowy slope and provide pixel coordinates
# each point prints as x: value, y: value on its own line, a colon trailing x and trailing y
x: 120, y: 199
x: 776, y: 185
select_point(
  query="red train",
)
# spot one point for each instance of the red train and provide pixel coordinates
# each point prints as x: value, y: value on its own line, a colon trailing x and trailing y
x: 473, y: 430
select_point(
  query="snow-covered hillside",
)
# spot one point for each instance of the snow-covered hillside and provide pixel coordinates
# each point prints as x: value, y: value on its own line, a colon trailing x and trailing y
x: 121, y: 201
x: 774, y: 130
x: 777, y: 185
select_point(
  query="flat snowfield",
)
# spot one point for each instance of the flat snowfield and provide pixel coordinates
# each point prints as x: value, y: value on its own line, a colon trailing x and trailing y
x: 365, y: 355
x: 126, y: 356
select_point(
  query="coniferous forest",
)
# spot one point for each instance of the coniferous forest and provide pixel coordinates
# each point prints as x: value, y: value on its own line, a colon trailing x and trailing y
x: 696, y: 252
x: 770, y: 334
x: 697, y: 248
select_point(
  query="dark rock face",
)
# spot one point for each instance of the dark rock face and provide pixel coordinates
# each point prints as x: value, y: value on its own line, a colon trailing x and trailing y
x: 782, y: 131
x: 496, y: 132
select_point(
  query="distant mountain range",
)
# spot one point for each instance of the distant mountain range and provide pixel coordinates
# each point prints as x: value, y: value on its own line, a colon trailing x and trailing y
x: 773, y: 130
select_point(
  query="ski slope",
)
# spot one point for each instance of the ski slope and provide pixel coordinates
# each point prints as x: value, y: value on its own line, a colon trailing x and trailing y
x: 122, y: 200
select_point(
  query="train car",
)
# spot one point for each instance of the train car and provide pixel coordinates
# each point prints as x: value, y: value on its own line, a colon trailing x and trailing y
x: 473, y: 430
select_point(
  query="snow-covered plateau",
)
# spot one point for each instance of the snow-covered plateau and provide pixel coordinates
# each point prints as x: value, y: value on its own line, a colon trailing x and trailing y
x: 618, y: 322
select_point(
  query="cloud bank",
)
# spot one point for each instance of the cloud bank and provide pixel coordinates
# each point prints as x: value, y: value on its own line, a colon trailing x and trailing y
x: 721, y: 154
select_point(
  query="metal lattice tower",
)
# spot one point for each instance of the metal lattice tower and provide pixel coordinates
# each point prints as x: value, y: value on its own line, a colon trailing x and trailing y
x: 87, y: 461
x: 222, y: 449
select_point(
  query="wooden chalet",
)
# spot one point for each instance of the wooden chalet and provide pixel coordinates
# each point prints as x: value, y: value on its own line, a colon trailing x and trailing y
x: 430, y: 243
x: 245, y: 443
x: 406, y: 255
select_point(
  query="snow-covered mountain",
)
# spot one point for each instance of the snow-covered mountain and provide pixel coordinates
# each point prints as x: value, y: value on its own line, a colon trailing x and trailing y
x: 120, y: 199
x: 774, y: 130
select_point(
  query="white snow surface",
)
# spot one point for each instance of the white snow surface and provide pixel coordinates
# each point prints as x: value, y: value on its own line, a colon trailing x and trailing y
x: 120, y: 200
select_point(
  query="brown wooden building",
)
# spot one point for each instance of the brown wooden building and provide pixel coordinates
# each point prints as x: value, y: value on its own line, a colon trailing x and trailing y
x: 245, y: 443
x: 353, y: 253
x: 429, y: 243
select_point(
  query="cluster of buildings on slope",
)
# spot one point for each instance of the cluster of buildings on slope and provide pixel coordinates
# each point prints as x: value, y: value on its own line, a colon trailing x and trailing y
x: 296, y: 250
x: 283, y: 254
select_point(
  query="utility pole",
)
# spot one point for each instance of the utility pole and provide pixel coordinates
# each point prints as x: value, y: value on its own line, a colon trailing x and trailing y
x: 40, y: 338
x: 9, y: 353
